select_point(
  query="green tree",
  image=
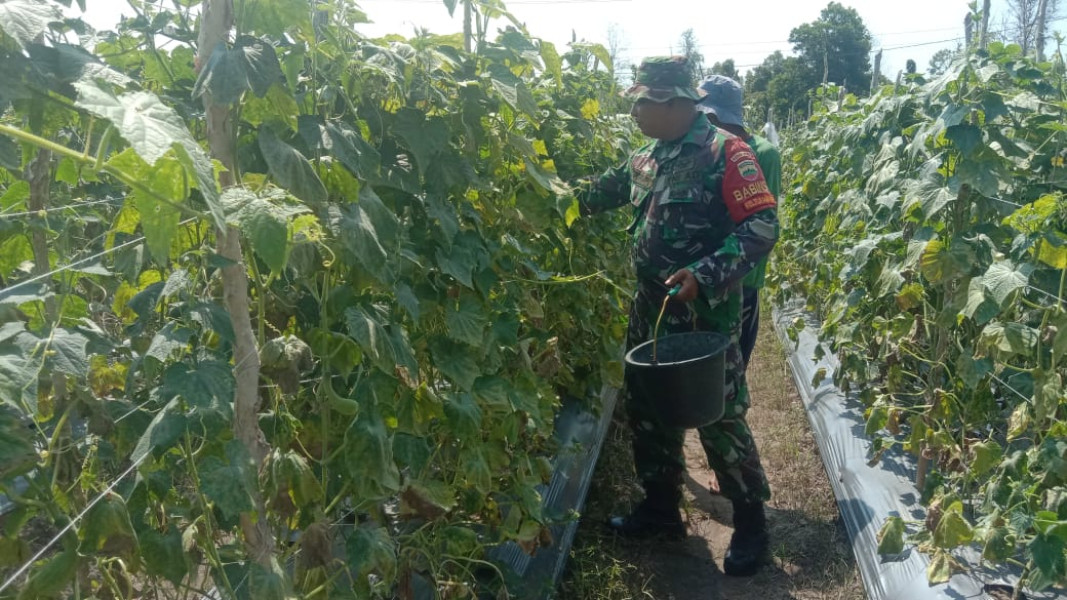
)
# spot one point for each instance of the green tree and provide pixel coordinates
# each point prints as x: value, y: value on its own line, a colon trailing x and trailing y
x: 690, y: 48
x: 940, y: 60
x: 835, y: 48
x: 727, y: 68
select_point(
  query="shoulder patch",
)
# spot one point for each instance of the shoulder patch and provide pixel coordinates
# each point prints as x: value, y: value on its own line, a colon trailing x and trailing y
x: 744, y: 189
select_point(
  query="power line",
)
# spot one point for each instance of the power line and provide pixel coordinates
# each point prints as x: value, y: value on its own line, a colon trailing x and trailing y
x: 30, y: 213
x: 10, y: 290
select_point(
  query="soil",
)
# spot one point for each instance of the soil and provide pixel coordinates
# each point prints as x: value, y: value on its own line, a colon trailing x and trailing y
x: 812, y: 558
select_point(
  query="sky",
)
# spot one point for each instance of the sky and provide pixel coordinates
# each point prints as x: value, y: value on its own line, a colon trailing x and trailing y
x: 746, y: 31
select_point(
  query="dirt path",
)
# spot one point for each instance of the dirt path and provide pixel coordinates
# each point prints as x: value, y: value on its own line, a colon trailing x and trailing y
x: 812, y: 558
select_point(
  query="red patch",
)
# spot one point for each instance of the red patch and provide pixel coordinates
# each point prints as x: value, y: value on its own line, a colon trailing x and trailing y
x: 745, y: 193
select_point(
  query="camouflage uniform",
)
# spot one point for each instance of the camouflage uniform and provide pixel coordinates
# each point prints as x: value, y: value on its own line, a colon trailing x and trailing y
x: 700, y: 203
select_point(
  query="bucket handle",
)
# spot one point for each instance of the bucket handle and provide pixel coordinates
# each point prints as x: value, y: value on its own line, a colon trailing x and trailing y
x: 655, y: 331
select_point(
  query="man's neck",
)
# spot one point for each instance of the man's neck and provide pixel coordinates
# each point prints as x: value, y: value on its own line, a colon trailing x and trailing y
x: 680, y: 132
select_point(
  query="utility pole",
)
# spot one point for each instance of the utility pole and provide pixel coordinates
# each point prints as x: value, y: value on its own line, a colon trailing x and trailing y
x: 467, y: 25
x: 1042, y: 14
x: 877, y: 71
x: 983, y: 33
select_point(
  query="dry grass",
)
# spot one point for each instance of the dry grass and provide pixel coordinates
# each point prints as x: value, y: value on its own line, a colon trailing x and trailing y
x: 812, y: 557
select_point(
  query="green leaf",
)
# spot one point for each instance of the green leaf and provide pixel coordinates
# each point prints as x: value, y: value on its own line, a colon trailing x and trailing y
x: 144, y: 303
x: 891, y: 537
x: 933, y: 196
x: 260, y: 62
x: 461, y: 260
x: 368, y: 458
x: 291, y: 169
x: 206, y: 384
x: 278, y: 16
x: 475, y: 469
x: 10, y: 154
x: 464, y: 416
x: 999, y: 544
x: 426, y: 138
x: 224, y: 77
x: 252, y: 64
x: 549, y: 182
x: 466, y: 320
x: 68, y: 353
x: 172, y: 339
x: 979, y: 306
x: 966, y: 137
x: 1003, y: 278
x: 371, y: 550
x: 107, y: 527
x: 17, y: 452
x: 349, y: 147
x: 264, y: 220
x: 383, y: 342
x: 268, y: 582
x: 229, y: 483
x: 24, y: 20
x: 1010, y: 338
x: 150, y: 126
x: 438, y: 208
x: 513, y: 90
x: 553, y: 63
x: 455, y: 361
x: 952, y: 531
x: 600, y: 52
x: 18, y: 380
x: 429, y: 499
x: 1048, y: 560
x: 14, y: 552
x: 406, y: 298
x: 163, y: 554
x: 368, y: 231
x: 159, y: 220
x: 162, y: 432
x: 971, y: 370
x: 52, y: 576
x: 292, y: 472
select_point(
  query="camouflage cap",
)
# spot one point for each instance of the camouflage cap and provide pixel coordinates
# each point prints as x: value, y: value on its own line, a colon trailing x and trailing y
x: 660, y: 78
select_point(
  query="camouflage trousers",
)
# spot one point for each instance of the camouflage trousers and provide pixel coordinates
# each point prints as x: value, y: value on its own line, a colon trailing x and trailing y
x: 728, y: 443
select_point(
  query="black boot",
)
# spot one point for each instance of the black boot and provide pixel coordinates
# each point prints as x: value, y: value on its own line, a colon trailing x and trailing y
x: 656, y: 515
x: 749, y: 543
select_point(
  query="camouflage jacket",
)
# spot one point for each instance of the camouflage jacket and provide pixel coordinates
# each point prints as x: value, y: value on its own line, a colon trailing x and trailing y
x: 699, y: 202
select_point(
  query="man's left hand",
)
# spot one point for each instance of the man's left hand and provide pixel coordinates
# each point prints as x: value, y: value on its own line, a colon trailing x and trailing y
x: 690, y: 287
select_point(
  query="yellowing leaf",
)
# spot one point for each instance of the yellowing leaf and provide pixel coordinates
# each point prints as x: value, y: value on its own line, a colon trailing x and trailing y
x: 941, y: 568
x: 930, y: 263
x: 891, y: 536
x: 573, y: 212
x: 1053, y: 256
x: 910, y: 296
x: 590, y: 108
x: 540, y: 147
x: 1020, y: 421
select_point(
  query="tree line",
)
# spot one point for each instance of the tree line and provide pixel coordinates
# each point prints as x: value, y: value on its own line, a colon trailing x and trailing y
x: 836, y: 49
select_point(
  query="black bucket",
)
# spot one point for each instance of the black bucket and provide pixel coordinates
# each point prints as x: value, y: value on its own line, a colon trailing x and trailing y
x: 687, y: 381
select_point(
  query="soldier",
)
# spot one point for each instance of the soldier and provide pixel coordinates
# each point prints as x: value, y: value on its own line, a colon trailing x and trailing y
x: 722, y: 104
x: 702, y: 218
